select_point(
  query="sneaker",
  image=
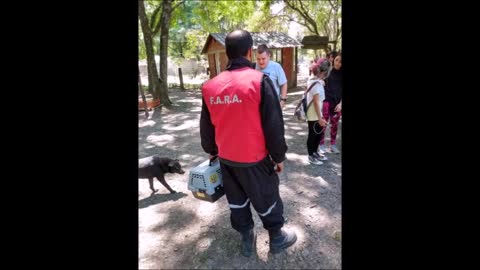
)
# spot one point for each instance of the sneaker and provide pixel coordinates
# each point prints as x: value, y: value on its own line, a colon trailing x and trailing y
x: 335, y: 149
x: 320, y: 156
x: 322, y: 149
x: 314, y: 160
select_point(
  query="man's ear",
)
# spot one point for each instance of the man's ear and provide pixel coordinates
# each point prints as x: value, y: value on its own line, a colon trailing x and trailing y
x: 250, y: 53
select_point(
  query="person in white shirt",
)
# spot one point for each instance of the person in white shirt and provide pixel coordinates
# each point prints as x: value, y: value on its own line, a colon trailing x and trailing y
x: 274, y: 71
x: 315, y: 97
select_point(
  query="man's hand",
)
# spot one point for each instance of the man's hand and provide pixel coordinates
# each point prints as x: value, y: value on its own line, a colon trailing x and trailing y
x: 279, y: 167
x: 282, y: 104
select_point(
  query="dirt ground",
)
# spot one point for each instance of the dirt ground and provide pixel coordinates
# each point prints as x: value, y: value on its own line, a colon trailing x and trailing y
x: 178, y: 231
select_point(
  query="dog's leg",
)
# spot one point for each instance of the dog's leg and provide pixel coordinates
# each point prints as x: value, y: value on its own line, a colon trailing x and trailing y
x: 161, y: 179
x: 150, y: 181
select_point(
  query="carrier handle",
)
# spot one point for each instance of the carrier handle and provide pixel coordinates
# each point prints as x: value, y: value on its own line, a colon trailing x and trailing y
x: 212, y: 159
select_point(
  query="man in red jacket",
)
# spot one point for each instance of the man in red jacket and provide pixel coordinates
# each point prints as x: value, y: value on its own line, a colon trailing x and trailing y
x: 242, y: 123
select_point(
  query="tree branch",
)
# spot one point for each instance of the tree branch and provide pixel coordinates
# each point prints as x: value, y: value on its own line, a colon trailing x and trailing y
x: 294, y: 20
x: 178, y: 4
x: 338, y: 30
x: 157, y: 27
x: 308, y: 27
x: 326, y: 24
x: 334, y: 6
x: 327, y: 32
x: 156, y: 30
x: 154, y: 17
x: 310, y: 19
x: 304, y: 14
x: 143, y: 18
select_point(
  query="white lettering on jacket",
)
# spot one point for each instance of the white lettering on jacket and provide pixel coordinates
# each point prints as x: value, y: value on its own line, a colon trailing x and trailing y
x: 226, y: 100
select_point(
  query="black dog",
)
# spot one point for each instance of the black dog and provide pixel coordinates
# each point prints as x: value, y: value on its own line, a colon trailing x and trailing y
x: 155, y: 166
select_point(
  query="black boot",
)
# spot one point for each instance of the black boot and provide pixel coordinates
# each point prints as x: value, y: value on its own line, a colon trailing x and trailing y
x: 281, y: 239
x: 248, y: 243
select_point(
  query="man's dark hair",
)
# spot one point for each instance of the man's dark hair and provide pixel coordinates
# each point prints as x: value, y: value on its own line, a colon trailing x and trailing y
x: 263, y: 48
x: 237, y: 43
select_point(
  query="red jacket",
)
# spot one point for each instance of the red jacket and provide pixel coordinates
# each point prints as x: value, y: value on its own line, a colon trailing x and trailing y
x: 233, y: 100
x: 241, y: 119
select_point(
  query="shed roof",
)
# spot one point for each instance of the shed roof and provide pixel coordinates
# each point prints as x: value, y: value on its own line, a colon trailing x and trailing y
x: 314, y: 42
x: 274, y: 40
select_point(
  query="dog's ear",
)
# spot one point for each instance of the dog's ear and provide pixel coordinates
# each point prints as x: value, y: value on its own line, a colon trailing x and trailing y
x: 171, y: 163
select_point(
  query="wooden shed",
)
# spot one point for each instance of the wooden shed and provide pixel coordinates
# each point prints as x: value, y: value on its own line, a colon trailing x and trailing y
x: 283, y: 48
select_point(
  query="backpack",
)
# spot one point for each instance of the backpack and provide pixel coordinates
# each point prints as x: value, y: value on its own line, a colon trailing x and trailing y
x: 300, y: 113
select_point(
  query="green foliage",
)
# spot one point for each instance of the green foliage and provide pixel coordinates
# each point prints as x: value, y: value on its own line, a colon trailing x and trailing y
x: 186, y: 38
x: 263, y: 21
x: 223, y: 16
x: 193, y: 20
x: 318, y: 17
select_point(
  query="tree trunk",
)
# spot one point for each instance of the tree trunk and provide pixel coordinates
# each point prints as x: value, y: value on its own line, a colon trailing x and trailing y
x: 165, y: 26
x: 144, y: 99
x: 153, y: 85
x: 159, y: 68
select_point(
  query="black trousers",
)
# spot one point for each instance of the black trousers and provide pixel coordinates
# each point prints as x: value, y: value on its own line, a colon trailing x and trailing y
x: 313, y: 138
x: 257, y: 184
